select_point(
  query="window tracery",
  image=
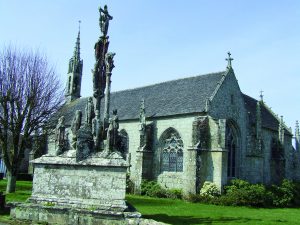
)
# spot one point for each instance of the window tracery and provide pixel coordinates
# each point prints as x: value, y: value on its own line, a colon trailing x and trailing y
x: 172, y: 154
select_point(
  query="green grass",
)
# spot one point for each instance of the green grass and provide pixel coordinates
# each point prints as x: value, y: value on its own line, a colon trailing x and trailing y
x: 23, y: 191
x: 181, y: 212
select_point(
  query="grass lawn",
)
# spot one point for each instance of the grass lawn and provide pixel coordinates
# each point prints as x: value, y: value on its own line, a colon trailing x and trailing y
x: 181, y: 212
x: 23, y: 191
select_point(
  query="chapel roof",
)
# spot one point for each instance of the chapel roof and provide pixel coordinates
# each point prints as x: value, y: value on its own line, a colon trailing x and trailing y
x: 181, y: 96
x: 175, y: 97
x: 268, y: 118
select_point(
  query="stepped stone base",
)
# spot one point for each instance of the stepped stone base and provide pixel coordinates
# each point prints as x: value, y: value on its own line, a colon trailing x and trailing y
x: 69, y: 215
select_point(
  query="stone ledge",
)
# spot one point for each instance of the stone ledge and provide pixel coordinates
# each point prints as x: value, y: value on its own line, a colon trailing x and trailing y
x: 67, y: 215
x: 95, y: 159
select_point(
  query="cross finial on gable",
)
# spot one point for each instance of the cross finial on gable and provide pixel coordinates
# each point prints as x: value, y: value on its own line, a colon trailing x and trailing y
x: 261, y: 96
x: 229, y: 59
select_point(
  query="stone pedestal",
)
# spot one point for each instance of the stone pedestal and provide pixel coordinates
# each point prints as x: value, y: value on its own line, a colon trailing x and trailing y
x: 64, y: 189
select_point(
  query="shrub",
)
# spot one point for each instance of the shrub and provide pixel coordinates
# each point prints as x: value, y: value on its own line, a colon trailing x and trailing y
x: 153, y: 189
x: 209, y: 189
x: 242, y: 193
x: 283, y: 195
x: 174, y: 193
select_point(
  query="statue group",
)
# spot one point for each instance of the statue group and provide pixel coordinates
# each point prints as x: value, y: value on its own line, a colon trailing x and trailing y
x: 102, y: 133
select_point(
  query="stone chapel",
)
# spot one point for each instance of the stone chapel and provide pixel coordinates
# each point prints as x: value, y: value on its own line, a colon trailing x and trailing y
x: 184, y: 132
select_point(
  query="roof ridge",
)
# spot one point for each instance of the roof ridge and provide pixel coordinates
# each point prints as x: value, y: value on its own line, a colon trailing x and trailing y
x: 168, y: 81
x: 276, y: 116
x: 218, y: 85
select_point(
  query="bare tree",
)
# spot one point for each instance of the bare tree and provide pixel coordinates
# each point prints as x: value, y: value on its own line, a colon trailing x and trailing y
x: 30, y: 92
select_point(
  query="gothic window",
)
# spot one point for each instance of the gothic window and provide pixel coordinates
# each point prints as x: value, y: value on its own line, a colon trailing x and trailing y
x: 231, y: 144
x: 173, y: 160
x: 165, y: 160
x: 172, y: 152
x: 180, y: 160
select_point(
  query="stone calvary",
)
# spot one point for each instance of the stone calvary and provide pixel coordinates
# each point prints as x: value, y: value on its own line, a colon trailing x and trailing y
x: 83, y: 181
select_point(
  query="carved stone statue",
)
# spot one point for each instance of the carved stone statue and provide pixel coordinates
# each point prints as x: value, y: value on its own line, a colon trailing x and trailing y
x: 84, y: 143
x: 60, y: 138
x: 75, y: 126
x: 112, y: 133
x: 109, y: 61
x: 89, y: 112
x: 99, y: 69
x: 104, y: 20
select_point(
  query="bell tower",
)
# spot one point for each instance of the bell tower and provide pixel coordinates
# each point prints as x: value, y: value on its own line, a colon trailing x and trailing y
x: 73, y: 85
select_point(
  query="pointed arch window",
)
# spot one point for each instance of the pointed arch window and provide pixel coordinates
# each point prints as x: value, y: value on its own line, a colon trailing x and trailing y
x: 172, y: 153
x: 231, y: 145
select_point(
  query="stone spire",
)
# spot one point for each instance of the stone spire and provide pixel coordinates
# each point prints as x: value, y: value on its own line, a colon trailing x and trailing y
x: 73, y: 86
x: 229, y: 59
x: 76, y: 55
x: 281, y: 130
x: 297, y: 136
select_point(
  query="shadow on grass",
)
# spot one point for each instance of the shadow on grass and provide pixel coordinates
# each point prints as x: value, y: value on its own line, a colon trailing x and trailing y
x: 197, y: 220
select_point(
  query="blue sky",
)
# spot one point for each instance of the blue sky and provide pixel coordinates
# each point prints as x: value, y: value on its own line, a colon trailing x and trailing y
x: 160, y: 40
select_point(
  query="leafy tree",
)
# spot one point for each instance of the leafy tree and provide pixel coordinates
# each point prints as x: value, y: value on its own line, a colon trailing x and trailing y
x: 30, y: 92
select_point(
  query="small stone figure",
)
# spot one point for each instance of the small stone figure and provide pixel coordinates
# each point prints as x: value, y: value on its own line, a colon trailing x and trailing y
x: 109, y: 61
x: 112, y: 133
x: 89, y: 112
x: 96, y: 132
x: 84, y: 143
x: 60, y: 135
x: 76, y: 123
x: 99, y: 69
x: 104, y: 20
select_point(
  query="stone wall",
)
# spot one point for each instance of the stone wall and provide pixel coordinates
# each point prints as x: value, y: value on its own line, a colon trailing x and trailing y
x: 228, y: 103
x: 183, y: 125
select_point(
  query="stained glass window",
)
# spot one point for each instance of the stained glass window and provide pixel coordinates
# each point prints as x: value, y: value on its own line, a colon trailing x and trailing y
x: 179, y: 160
x: 172, y: 153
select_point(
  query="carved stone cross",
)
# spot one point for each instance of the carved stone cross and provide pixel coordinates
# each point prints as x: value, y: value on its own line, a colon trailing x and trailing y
x: 229, y: 59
